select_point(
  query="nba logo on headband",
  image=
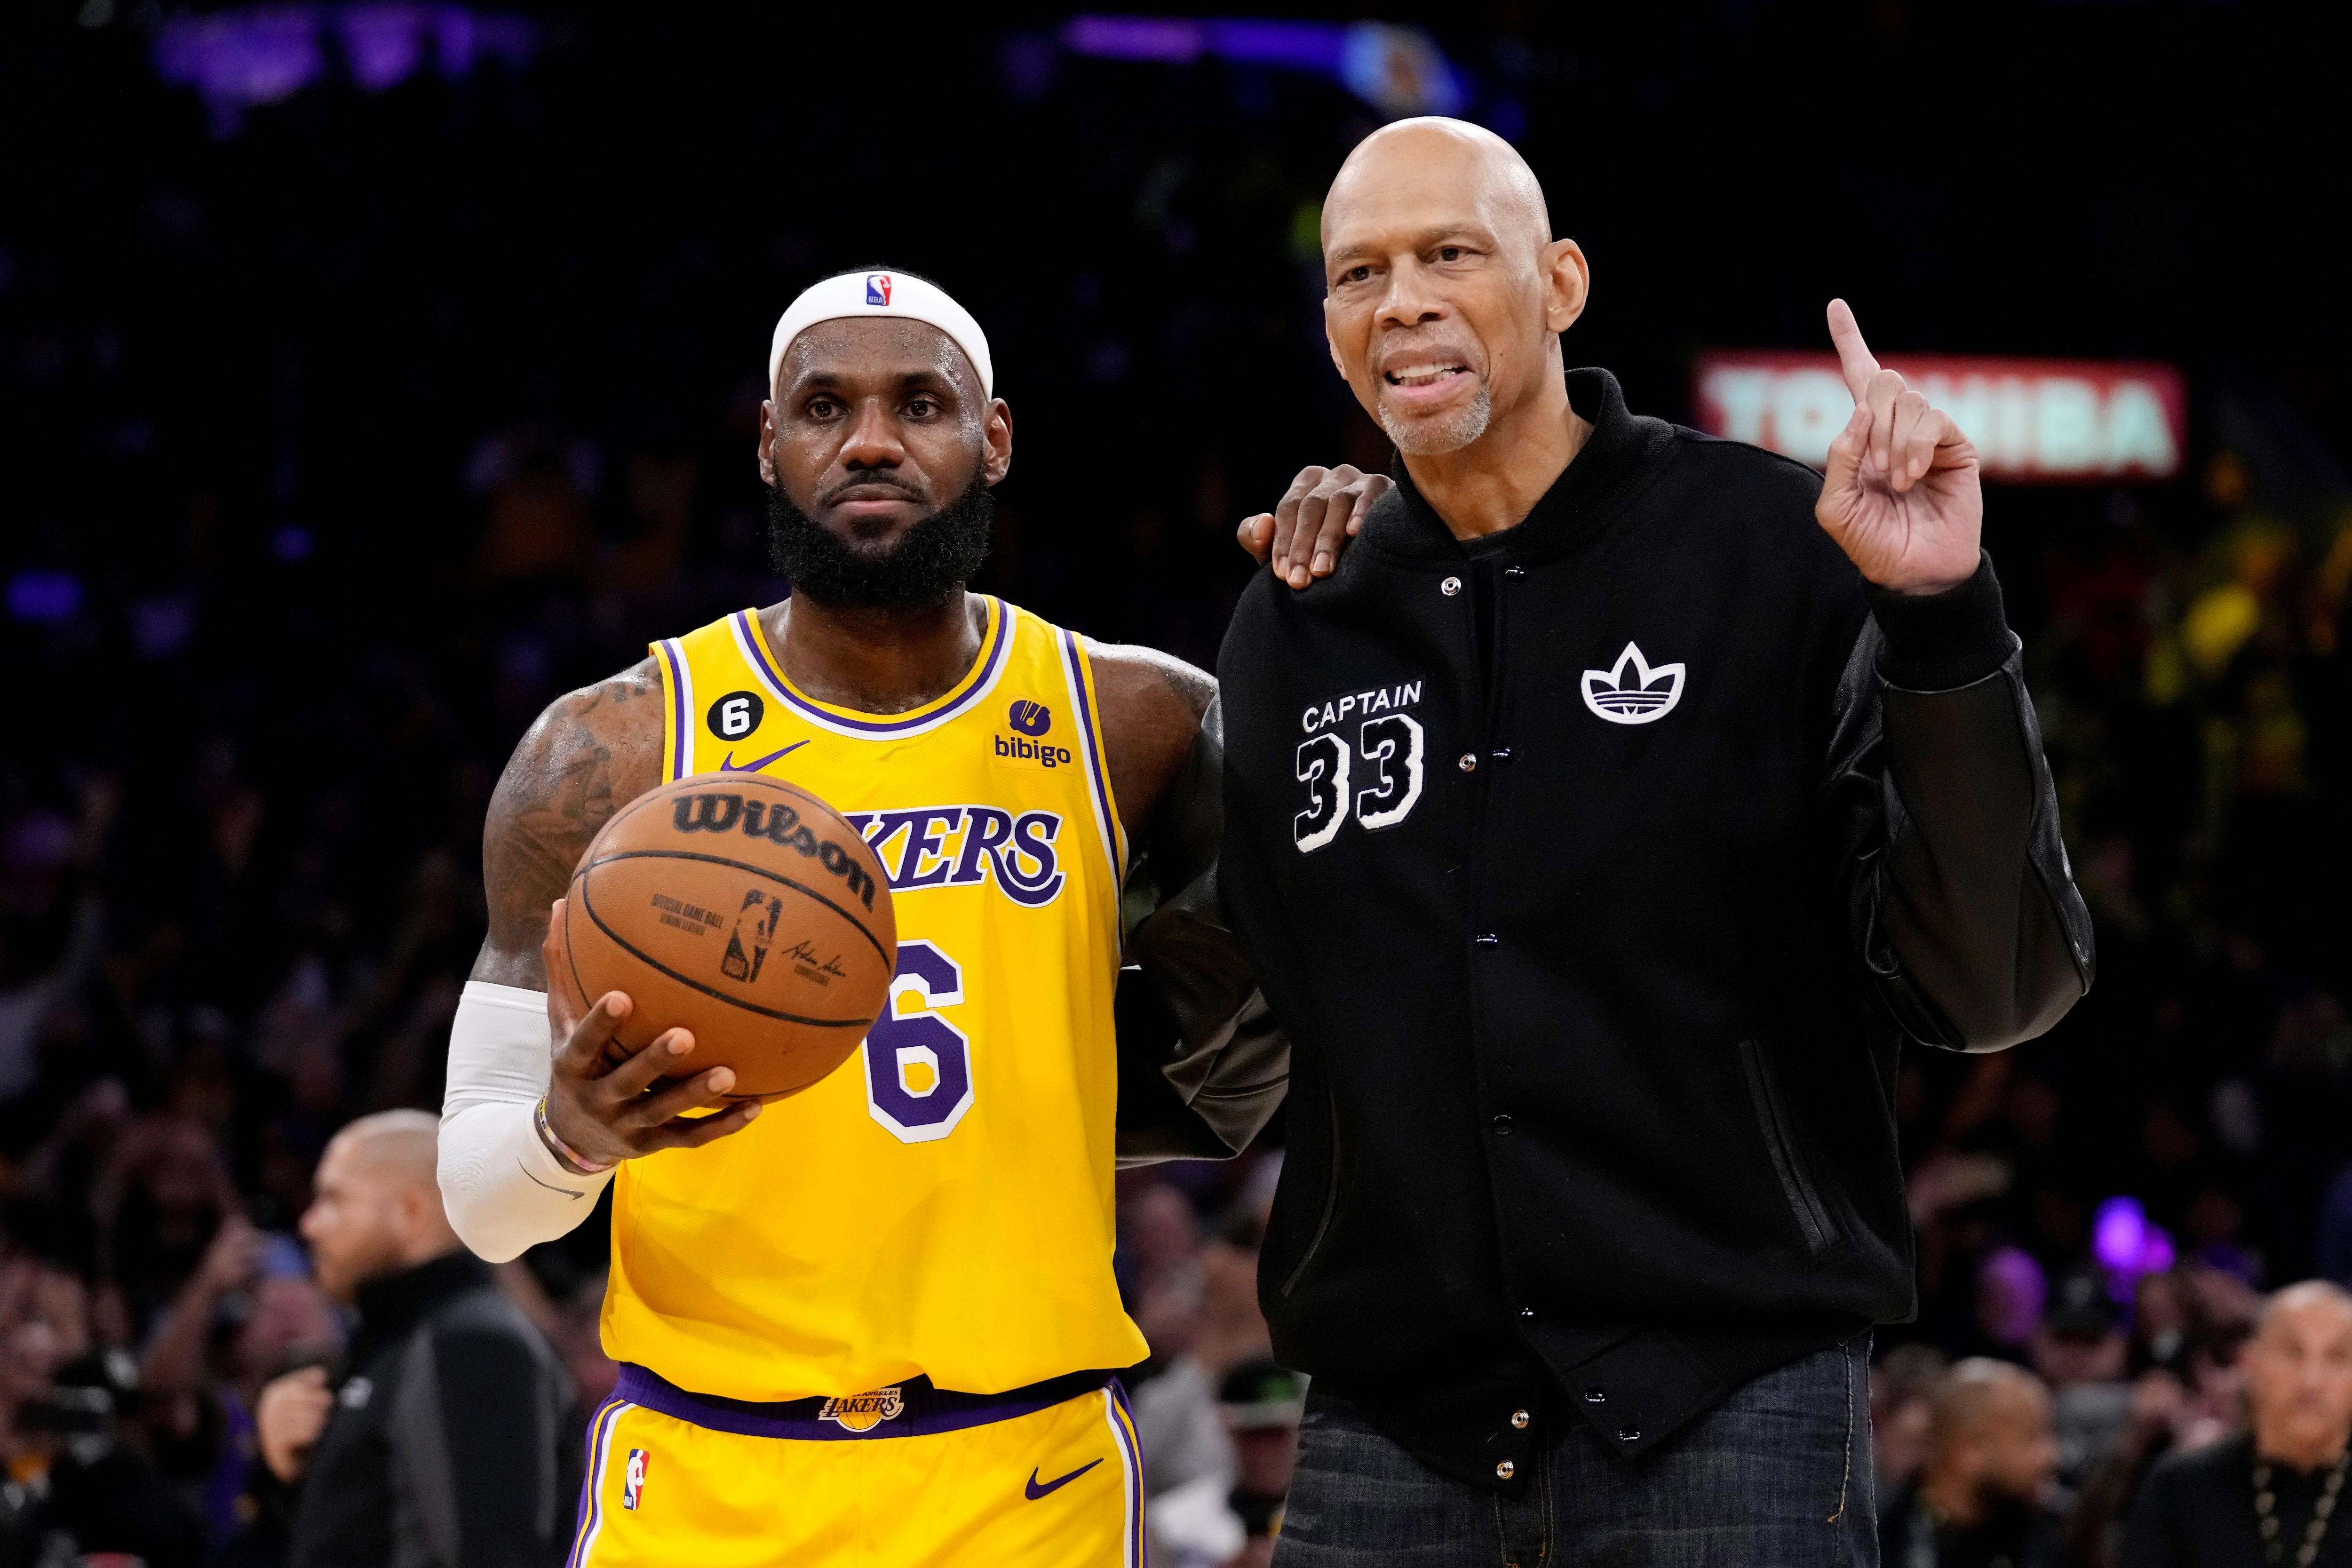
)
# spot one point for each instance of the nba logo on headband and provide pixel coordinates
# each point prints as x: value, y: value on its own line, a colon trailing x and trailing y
x: 900, y: 296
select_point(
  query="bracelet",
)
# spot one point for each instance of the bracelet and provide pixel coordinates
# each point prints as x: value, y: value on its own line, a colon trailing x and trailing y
x: 562, y: 1151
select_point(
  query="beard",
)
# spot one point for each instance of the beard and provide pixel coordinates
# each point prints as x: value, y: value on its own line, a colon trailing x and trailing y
x: 1451, y: 434
x: 934, y: 558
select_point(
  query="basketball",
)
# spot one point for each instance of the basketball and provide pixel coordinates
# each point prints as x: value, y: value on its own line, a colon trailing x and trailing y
x: 745, y: 910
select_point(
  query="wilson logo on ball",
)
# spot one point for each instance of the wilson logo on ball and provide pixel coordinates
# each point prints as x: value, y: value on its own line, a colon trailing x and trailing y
x: 775, y: 822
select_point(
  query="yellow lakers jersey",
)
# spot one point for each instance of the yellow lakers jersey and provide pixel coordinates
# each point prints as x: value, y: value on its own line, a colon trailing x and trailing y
x: 942, y: 1203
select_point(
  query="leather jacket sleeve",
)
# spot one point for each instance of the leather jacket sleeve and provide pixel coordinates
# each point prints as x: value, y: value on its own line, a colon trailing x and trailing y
x: 1201, y: 1064
x: 1958, y: 889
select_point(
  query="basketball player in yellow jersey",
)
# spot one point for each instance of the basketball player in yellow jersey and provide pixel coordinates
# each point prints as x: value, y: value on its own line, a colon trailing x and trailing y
x: 873, y: 1322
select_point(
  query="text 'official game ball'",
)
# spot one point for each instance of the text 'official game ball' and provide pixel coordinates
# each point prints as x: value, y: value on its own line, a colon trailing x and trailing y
x: 744, y: 909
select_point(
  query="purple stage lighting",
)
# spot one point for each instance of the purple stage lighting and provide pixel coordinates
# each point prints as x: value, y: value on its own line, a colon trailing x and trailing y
x: 239, y: 60
x: 2127, y: 1244
x: 1398, y: 70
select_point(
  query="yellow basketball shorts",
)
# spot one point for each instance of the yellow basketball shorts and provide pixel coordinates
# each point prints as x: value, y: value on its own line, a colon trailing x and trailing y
x: 1048, y: 1477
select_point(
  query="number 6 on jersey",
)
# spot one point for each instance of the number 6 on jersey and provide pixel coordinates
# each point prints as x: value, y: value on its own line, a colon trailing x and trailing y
x: 918, y: 1065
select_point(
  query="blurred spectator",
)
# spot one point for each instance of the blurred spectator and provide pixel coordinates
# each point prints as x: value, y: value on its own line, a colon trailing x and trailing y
x: 1987, y: 1486
x: 163, y: 1192
x: 74, y: 1488
x: 2272, y: 1495
x: 2010, y: 1290
x: 2080, y: 1350
x: 442, y: 1440
x: 1196, y: 1301
x: 1902, y: 1403
x: 1212, y: 1523
x: 248, y: 1313
x: 1212, y: 1450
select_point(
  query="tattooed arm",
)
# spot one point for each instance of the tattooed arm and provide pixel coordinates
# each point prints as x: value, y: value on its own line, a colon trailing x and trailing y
x: 504, y: 1184
x: 590, y: 754
x: 1202, y: 1066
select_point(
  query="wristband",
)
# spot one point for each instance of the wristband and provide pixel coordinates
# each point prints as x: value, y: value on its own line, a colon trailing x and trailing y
x: 562, y: 1151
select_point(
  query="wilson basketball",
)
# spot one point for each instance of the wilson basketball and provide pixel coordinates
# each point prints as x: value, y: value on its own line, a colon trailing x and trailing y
x: 744, y: 909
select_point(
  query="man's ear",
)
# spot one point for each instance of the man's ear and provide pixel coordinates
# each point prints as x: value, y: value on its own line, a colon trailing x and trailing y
x: 996, y: 431
x: 1568, y: 284
x: 766, y: 440
x: 421, y: 1214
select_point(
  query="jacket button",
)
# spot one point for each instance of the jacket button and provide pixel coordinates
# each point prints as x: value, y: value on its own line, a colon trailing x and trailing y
x: 1505, y: 1471
x: 1527, y: 1311
x: 1469, y: 762
x: 1628, y: 1434
x: 1519, y: 1420
x: 1503, y: 1126
x: 1502, y: 754
x: 1450, y: 588
x: 1596, y: 1394
x: 1514, y: 570
x: 1487, y: 939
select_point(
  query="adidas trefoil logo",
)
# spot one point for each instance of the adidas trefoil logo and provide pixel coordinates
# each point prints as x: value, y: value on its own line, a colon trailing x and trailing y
x: 1634, y: 693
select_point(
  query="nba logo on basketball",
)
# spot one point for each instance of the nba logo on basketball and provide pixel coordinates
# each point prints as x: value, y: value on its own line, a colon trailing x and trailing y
x: 633, y: 1479
x: 877, y: 288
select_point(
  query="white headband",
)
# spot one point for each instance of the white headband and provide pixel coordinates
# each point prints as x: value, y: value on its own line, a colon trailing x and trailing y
x: 882, y: 294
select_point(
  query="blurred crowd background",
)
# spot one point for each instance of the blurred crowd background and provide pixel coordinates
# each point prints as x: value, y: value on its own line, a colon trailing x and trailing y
x: 370, y: 375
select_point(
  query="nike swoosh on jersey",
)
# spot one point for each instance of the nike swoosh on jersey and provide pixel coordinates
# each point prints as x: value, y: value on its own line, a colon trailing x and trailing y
x: 729, y: 766
x: 1036, y: 1491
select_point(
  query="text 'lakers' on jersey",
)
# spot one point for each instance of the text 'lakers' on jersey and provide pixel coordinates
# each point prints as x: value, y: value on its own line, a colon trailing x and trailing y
x: 942, y: 1204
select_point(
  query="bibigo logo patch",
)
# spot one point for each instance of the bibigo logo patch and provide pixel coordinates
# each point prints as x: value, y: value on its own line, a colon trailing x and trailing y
x: 1032, y: 719
x: 864, y: 1411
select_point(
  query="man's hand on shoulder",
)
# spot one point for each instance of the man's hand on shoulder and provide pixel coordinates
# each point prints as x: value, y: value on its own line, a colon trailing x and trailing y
x: 1302, y: 537
x: 1901, y: 494
x: 1152, y: 708
x: 591, y: 753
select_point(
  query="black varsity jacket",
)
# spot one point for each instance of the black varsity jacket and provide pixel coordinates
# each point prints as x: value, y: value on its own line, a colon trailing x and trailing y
x: 1597, y: 873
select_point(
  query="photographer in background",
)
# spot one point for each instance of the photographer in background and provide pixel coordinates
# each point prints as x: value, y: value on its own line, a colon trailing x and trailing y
x: 71, y: 1488
x: 443, y: 1443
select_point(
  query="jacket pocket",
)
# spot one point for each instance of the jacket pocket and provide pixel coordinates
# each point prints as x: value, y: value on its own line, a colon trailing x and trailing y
x: 1330, y: 1208
x: 1813, y: 1216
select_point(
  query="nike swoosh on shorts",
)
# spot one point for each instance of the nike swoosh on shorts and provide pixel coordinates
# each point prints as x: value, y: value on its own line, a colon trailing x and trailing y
x: 1036, y: 1491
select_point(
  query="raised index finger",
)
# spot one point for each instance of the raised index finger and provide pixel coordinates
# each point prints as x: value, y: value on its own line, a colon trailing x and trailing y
x: 1854, y: 356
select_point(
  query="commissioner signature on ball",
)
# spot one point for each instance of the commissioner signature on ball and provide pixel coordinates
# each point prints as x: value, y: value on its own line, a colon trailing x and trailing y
x: 802, y: 952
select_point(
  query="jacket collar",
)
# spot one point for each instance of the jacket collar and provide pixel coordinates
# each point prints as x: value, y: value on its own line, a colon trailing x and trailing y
x: 391, y: 1304
x: 1621, y: 455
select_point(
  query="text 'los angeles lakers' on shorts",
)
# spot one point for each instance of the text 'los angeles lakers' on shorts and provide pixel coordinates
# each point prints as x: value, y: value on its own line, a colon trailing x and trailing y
x: 905, y: 1476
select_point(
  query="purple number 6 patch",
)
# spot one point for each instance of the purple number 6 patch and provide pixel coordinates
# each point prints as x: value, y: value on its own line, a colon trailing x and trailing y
x: 918, y: 1065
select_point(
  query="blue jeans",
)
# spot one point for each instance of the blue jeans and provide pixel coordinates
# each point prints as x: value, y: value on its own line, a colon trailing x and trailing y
x: 1776, y: 1475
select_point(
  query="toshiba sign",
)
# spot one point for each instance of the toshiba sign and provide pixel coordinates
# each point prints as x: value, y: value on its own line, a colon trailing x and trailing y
x: 2036, y: 419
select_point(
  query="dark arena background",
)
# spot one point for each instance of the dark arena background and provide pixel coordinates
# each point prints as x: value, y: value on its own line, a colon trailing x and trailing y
x: 371, y: 373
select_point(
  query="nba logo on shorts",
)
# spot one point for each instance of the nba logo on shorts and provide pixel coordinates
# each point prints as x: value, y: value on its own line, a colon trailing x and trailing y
x: 877, y: 288
x: 633, y: 1479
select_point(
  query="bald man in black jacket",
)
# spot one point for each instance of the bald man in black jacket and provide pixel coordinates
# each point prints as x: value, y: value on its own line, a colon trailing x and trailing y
x: 1600, y: 826
x: 444, y: 1440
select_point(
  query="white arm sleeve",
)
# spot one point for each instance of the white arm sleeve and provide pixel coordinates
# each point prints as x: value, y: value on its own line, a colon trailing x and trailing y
x: 503, y: 1189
